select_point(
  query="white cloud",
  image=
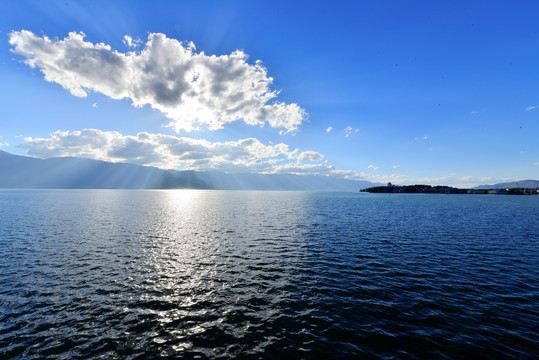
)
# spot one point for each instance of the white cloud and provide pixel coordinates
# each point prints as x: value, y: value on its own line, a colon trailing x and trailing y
x: 397, y: 178
x: 193, y: 90
x: 348, y: 130
x: 374, y: 167
x: 441, y: 180
x: 329, y: 129
x: 396, y: 166
x: 494, y: 180
x: 531, y: 108
x: 94, y: 105
x: 450, y: 180
x: 4, y: 144
x: 166, y: 151
x: 474, y: 112
x: 305, y: 155
x: 130, y: 42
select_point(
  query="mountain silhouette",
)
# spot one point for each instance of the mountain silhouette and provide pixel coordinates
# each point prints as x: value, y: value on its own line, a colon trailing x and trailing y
x: 68, y: 172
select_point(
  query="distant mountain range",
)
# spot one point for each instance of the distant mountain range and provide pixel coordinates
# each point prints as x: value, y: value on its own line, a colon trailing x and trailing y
x: 528, y: 184
x: 67, y: 172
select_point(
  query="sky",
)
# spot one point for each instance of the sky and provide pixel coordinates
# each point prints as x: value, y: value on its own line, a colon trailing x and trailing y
x: 386, y: 91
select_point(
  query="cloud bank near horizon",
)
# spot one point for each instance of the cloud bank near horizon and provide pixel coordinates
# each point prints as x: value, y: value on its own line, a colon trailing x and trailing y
x: 173, y: 152
x: 244, y: 155
x: 193, y: 90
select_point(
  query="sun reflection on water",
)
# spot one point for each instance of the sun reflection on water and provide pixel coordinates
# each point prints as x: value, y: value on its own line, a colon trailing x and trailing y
x: 216, y: 257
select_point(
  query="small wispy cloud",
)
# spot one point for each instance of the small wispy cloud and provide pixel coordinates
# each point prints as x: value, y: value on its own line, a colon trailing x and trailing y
x: 474, y: 112
x: 397, y: 178
x: 424, y: 137
x: 531, y: 107
x: 451, y: 180
x: 374, y: 167
x: 396, y: 166
x: 348, y: 130
x: 537, y: 163
x: 94, y: 105
x: 494, y: 180
x: 329, y: 129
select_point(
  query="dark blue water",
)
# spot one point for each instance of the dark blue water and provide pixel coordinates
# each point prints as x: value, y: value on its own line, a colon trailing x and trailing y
x: 215, y: 274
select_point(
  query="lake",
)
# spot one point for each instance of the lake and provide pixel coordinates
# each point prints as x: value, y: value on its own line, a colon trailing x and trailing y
x: 261, y: 274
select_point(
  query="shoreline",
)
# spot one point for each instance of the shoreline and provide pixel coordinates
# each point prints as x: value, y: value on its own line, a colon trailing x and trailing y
x: 440, y: 189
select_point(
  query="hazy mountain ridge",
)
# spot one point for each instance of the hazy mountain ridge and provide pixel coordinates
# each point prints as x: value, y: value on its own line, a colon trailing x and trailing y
x: 67, y: 172
x: 528, y: 184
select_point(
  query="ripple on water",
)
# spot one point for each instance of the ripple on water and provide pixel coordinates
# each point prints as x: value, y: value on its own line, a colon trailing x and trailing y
x: 209, y: 274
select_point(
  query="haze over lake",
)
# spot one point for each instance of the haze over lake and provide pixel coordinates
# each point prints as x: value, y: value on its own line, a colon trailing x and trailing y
x: 250, y: 274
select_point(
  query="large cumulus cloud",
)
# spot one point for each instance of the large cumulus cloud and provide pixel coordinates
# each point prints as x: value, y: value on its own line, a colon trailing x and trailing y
x: 193, y: 90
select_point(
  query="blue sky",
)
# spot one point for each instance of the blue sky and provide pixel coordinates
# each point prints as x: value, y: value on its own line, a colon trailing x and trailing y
x: 411, y: 91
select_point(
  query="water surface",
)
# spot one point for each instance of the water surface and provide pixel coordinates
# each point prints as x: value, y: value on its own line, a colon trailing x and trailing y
x: 259, y: 274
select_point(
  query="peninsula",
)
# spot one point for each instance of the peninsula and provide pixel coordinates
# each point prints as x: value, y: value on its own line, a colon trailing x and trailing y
x: 440, y: 189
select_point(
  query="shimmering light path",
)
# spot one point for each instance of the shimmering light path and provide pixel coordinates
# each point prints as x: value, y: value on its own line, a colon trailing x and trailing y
x: 210, y: 274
